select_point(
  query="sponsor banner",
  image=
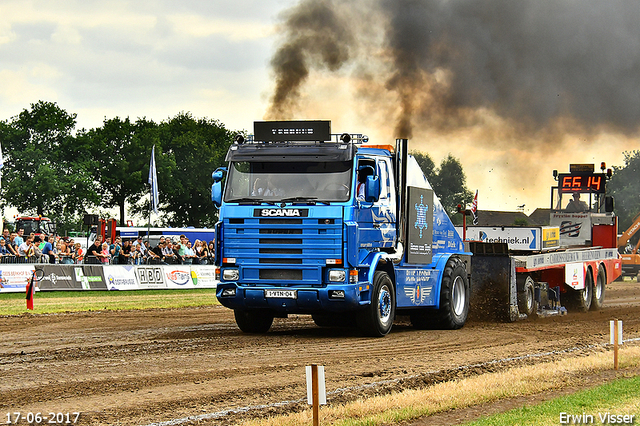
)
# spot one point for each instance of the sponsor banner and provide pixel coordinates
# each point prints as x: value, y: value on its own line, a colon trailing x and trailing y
x: 15, y: 278
x: 89, y: 277
x: 561, y: 258
x: 121, y: 277
x: 574, y: 275
x: 416, y: 287
x: 204, y: 276
x: 518, y: 238
x: 57, y: 277
x: 575, y: 228
x: 150, y: 277
x: 178, y: 276
x: 420, y: 226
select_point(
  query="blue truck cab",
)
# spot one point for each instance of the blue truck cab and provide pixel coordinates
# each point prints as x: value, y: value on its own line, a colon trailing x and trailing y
x: 333, y: 226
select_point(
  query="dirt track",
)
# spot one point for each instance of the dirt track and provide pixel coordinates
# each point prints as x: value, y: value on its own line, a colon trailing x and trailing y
x: 141, y: 367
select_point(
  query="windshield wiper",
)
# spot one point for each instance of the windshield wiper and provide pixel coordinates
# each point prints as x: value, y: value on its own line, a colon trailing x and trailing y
x: 251, y: 200
x: 303, y: 199
x: 244, y: 200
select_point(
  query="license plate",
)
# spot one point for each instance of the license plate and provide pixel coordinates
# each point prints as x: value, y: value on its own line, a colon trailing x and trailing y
x: 281, y: 294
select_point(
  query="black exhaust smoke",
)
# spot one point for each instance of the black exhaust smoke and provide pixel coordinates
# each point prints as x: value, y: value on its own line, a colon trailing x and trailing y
x: 542, y: 67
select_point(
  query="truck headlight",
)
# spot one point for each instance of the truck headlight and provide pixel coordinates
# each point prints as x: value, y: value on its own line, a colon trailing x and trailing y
x: 230, y: 275
x: 337, y: 275
x: 228, y: 292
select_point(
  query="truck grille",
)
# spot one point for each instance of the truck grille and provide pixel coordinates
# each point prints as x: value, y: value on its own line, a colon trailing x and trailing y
x: 267, y: 254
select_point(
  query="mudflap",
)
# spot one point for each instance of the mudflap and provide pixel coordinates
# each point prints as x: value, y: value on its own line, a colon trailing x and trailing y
x: 493, y: 283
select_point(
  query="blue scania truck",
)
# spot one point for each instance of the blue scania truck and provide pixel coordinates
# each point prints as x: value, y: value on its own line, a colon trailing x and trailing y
x: 349, y: 232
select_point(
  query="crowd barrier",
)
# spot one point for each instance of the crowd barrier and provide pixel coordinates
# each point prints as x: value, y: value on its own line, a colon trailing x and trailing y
x: 15, y: 278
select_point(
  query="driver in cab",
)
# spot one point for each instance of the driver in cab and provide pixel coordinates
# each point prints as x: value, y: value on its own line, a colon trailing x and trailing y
x: 576, y: 205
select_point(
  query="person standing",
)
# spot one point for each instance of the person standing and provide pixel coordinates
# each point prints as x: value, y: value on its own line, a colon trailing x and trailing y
x: 47, y: 249
x: 94, y: 252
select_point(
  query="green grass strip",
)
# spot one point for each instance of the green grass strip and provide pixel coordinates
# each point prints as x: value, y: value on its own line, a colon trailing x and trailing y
x: 46, y: 302
x: 594, y: 406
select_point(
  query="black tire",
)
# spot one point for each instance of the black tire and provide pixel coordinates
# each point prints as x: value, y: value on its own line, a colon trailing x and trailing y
x: 597, y: 296
x: 580, y: 300
x: 526, y: 295
x: 454, y: 296
x: 253, y: 321
x: 377, y: 319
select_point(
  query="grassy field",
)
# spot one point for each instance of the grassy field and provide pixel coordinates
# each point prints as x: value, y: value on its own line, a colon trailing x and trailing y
x: 78, y: 301
x: 619, y: 397
x: 593, y: 406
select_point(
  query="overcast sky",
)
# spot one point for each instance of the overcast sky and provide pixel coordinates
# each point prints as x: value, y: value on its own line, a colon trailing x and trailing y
x: 139, y: 58
x: 155, y: 59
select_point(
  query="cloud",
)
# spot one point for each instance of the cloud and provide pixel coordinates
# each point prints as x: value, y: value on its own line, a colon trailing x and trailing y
x: 126, y: 58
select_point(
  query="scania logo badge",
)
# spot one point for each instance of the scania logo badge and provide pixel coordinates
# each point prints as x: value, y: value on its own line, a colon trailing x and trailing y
x: 280, y: 212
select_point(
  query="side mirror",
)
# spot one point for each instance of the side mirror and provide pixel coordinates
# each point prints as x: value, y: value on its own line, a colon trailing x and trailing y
x: 216, y: 188
x: 372, y: 189
x: 608, y: 204
x: 218, y: 175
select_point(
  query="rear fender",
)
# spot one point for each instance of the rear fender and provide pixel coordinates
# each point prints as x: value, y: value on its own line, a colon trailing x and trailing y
x: 440, y: 262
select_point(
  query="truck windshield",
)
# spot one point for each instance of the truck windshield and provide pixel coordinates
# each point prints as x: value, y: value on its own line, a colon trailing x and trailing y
x: 276, y: 181
x: 577, y: 202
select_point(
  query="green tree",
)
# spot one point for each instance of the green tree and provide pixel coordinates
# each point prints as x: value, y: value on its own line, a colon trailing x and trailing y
x: 47, y: 172
x: 448, y: 182
x: 191, y: 149
x: 625, y: 188
x: 122, y: 151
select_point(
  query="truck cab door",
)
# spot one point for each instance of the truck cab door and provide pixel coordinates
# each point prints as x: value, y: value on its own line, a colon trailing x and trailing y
x: 377, y: 220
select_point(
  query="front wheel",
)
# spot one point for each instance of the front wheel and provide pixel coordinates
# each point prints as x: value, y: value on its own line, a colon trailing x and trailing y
x: 253, y: 321
x: 454, y: 301
x: 376, y: 320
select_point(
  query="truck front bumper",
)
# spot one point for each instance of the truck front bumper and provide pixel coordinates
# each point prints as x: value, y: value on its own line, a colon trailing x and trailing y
x: 332, y: 298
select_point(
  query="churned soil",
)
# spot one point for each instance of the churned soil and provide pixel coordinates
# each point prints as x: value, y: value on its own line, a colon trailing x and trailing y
x: 155, y: 366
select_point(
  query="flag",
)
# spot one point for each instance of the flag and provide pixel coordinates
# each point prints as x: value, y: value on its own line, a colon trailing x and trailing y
x: 31, y: 288
x: 474, y: 209
x: 1, y: 158
x: 153, y: 181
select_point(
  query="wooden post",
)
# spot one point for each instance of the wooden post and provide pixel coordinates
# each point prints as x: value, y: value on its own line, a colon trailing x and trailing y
x: 316, y: 399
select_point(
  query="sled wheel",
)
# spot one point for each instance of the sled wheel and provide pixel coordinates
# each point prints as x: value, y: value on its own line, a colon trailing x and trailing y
x: 597, y: 298
x: 580, y: 300
x: 526, y: 295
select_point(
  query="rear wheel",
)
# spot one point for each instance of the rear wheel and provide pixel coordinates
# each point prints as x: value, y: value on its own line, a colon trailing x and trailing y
x: 526, y: 295
x: 376, y: 320
x: 580, y: 300
x: 454, y: 301
x: 253, y: 321
x: 597, y: 298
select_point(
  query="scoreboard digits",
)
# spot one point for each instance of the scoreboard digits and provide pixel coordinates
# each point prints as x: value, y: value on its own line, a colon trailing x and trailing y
x: 594, y: 182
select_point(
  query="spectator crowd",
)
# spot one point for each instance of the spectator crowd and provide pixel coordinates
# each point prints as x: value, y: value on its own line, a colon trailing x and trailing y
x: 15, y: 247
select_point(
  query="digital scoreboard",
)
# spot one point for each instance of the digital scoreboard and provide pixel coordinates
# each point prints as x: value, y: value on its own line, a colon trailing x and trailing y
x: 582, y: 182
